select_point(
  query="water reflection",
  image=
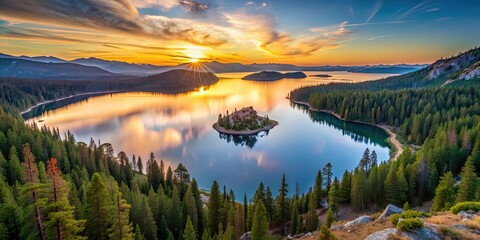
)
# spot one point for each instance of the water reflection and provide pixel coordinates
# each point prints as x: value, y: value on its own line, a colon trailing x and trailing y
x: 359, y: 132
x: 239, y: 140
x: 178, y: 128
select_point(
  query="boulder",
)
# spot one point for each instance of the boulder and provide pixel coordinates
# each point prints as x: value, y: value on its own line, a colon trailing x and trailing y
x: 426, y: 232
x: 362, y: 219
x: 382, y: 235
x: 336, y: 227
x: 390, y: 210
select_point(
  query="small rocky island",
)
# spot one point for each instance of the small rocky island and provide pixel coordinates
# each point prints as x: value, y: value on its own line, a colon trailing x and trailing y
x: 243, y: 122
x: 272, y: 76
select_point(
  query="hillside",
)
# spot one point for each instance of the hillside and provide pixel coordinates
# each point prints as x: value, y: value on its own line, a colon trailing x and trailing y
x: 272, y: 76
x: 19, y: 68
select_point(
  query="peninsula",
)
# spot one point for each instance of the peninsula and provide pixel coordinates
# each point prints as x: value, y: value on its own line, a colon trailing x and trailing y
x: 243, y: 122
x: 273, y: 76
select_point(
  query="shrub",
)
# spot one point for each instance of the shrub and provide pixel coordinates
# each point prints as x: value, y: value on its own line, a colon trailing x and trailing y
x: 465, y: 206
x: 450, y: 233
x: 406, y: 215
x: 410, y: 224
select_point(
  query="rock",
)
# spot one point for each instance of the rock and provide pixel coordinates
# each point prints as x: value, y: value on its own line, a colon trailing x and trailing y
x: 362, y: 219
x: 426, y: 232
x: 466, y: 216
x: 382, y: 235
x: 308, y: 234
x: 460, y: 227
x: 336, y: 227
x: 390, y: 210
x: 246, y: 236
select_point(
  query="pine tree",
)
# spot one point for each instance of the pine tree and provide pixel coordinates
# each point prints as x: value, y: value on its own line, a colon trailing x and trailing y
x: 373, y: 159
x: 334, y: 197
x: 175, y: 220
x: 317, y: 188
x: 294, y: 216
x: 138, y: 233
x: 269, y: 204
x: 140, y: 165
x: 468, y: 185
x: 146, y: 221
x: 98, y: 209
x: 200, y: 209
x: 365, y: 162
x: 329, y: 218
x: 154, y: 175
x: 214, y: 204
x: 190, y: 209
x: 163, y: 228
x: 283, y: 191
x: 60, y: 222
x: 260, y: 222
x: 30, y: 173
x: 245, y: 211
x: 121, y: 228
x: 181, y: 173
x: 345, y: 187
x: 311, y: 221
x: 359, y: 193
x: 14, y: 168
x: 189, y: 233
x: 206, y: 234
x: 326, y: 234
x: 327, y: 175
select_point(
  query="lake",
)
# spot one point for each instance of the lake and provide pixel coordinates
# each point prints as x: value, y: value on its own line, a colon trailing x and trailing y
x: 178, y: 128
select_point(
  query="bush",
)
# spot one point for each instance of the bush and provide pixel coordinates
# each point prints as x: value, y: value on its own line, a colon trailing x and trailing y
x: 450, y: 233
x: 410, y: 224
x: 406, y: 215
x: 465, y: 206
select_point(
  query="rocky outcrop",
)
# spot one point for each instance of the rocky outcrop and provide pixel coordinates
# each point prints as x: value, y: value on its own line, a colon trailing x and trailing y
x: 427, y: 232
x: 390, y: 210
x: 360, y: 220
x: 382, y: 235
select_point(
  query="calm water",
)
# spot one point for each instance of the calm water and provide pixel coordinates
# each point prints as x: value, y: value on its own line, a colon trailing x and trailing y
x: 178, y: 128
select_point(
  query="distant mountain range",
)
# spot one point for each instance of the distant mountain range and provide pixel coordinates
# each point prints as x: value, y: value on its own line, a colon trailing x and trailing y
x: 47, y: 67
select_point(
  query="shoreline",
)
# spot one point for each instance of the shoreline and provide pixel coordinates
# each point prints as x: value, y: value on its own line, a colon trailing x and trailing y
x: 63, y: 98
x: 244, y: 132
x: 398, y: 147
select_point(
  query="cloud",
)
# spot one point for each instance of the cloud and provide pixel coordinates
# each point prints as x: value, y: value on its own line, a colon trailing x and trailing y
x: 190, y: 6
x: 259, y: 29
x: 111, y: 15
x: 195, y: 7
x: 375, y: 9
x: 347, y: 24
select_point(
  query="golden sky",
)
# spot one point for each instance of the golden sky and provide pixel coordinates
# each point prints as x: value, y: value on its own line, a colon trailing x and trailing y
x: 169, y: 32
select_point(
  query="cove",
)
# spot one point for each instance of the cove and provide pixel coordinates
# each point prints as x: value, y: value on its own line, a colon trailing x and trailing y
x: 178, y: 128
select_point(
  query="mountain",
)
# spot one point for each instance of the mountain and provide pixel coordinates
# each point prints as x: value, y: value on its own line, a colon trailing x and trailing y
x: 133, y: 69
x: 19, y: 68
x: 121, y: 67
x: 177, y: 80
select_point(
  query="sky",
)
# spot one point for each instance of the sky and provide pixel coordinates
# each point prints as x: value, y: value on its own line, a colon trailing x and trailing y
x: 169, y: 32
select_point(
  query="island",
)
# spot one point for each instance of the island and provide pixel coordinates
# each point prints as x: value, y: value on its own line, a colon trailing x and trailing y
x: 243, y: 122
x: 322, y: 75
x: 273, y: 76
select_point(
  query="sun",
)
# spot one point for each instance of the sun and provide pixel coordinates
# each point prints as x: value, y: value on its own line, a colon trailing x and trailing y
x: 194, y: 53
